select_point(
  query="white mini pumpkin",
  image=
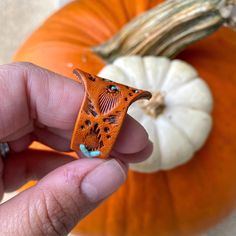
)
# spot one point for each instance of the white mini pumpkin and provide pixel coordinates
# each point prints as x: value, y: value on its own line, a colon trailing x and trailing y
x: 177, y: 118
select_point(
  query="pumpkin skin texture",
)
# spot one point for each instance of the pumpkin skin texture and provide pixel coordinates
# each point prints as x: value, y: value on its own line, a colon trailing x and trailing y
x: 183, y: 201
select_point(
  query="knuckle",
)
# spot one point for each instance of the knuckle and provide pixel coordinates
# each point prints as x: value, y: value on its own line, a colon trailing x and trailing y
x: 19, y: 66
x: 23, y: 64
x: 72, y: 175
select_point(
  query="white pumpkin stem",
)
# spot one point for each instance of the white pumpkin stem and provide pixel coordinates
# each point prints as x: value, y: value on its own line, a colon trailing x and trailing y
x: 168, y: 28
x: 154, y: 106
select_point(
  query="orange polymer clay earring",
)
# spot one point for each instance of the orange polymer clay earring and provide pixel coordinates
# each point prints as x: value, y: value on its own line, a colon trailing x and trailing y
x: 102, y: 113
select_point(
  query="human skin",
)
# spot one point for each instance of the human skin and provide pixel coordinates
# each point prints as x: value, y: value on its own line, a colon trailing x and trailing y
x: 36, y: 104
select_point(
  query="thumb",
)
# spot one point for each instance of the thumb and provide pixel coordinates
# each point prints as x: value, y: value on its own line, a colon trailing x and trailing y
x: 62, y: 198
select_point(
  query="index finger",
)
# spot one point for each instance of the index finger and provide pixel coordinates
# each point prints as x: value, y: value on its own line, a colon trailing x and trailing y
x: 30, y: 93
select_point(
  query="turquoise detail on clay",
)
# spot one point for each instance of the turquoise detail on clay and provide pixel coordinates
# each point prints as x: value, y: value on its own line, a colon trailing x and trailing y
x: 88, y: 153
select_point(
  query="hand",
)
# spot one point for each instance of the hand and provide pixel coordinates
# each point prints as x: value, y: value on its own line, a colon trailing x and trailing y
x: 37, y: 104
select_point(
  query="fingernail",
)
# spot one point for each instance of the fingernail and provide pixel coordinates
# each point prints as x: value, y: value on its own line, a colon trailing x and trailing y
x: 103, y: 180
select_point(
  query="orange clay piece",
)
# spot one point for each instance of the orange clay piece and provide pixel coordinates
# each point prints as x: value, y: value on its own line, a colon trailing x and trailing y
x: 102, y: 113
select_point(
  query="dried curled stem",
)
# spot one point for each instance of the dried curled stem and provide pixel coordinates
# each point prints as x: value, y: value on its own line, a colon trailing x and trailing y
x: 168, y: 28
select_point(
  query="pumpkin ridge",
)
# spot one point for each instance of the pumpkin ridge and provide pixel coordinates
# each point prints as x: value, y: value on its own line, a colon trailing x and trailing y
x: 82, y: 35
x: 95, y: 10
x: 72, y: 40
x: 180, y: 130
x: 166, y: 164
x: 79, y: 38
x: 128, y: 9
x: 88, y: 31
x: 82, y: 22
x: 106, y: 8
x: 144, y: 70
x: 125, y: 10
x: 184, y: 106
x: 52, y: 43
x: 95, y: 16
x: 71, y: 20
x: 159, y: 146
x: 122, y: 69
x: 161, y: 80
x: 207, y: 106
x: 177, y: 87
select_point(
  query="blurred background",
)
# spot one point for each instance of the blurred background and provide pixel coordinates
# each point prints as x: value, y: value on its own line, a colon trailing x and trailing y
x: 18, y: 19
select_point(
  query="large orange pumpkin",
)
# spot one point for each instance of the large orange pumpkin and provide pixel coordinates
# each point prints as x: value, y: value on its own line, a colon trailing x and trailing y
x: 183, y: 201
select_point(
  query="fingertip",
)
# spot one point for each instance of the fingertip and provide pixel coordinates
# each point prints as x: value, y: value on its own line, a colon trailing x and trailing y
x: 133, y: 138
x: 135, y: 157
